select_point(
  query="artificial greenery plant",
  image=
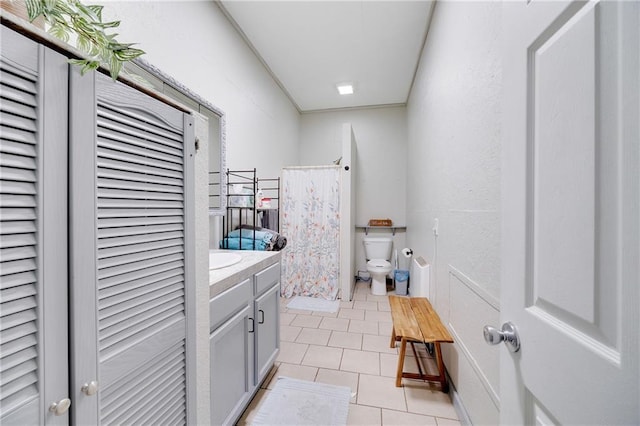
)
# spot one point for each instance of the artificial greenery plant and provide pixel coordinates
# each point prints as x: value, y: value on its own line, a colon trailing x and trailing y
x: 67, y: 17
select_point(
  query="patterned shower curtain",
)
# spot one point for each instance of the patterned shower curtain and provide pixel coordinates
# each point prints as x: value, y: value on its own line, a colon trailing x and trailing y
x: 310, y: 219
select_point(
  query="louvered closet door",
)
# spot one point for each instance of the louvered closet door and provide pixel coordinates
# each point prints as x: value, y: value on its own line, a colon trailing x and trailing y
x: 33, y: 232
x: 130, y: 173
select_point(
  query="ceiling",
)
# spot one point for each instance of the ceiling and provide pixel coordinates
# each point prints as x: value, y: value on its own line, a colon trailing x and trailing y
x: 311, y: 46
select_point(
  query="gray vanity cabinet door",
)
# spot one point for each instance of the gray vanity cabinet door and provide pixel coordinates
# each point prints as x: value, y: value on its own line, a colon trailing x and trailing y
x: 231, y: 358
x: 33, y: 232
x: 132, y: 219
x: 268, y: 331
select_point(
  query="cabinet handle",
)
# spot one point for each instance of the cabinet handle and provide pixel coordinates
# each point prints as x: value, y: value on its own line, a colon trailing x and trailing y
x: 90, y: 388
x: 59, y: 408
x: 262, y: 320
x: 252, y: 325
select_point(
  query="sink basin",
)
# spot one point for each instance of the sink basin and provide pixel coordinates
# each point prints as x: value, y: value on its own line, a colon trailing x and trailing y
x: 222, y: 259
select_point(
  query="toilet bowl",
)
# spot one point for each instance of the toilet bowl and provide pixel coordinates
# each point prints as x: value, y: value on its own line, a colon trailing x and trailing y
x: 377, y: 251
x: 379, y: 269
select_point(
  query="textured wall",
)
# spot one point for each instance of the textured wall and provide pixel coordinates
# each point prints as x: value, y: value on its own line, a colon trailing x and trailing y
x: 381, y: 161
x: 453, y: 175
x: 195, y: 43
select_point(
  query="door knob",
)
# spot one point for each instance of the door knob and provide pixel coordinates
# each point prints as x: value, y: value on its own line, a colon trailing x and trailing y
x: 60, y: 407
x: 90, y: 388
x: 508, y: 335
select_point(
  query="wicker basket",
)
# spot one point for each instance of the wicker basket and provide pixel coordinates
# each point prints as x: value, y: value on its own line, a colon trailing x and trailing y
x: 380, y: 222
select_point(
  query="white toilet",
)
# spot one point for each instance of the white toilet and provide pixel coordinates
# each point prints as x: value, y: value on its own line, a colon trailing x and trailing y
x: 377, y: 251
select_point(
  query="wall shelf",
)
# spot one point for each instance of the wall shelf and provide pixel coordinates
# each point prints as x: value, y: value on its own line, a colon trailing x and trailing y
x: 393, y: 228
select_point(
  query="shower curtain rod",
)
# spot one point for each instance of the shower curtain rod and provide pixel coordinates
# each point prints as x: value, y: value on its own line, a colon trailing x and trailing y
x: 328, y: 166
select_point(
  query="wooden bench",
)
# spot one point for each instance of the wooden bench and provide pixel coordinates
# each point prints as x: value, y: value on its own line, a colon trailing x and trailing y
x: 414, y: 320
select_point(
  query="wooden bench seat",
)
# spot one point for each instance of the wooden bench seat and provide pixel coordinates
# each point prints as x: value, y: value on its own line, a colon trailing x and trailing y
x: 415, y: 320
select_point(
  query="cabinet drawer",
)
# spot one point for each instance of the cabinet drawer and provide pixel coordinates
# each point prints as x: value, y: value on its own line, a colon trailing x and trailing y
x: 265, y: 279
x: 226, y: 304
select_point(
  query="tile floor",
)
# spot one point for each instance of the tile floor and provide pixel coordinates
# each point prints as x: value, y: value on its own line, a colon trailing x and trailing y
x: 351, y: 348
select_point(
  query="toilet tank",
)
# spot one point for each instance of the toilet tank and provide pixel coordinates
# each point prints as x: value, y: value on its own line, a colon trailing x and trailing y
x: 377, y: 247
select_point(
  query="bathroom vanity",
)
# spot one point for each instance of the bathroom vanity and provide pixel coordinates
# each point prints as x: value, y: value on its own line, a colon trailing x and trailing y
x: 244, y: 326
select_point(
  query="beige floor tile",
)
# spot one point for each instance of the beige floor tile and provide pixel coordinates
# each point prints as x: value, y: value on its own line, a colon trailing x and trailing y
x: 354, y: 314
x: 359, y: 296
x: 377, y: 316
x: 377, y: 298
x: 339, y: 378
x: 286, y: 318
x: 384, y: 305
x: 299, y: 311
x: 364, y: 416
x: 384, y: 328
x: 253, y: 408
x: 325, y: 314
x: 314, y: 336
x: 365, y: 305
x: 323, y: 357
x: 367, y: 327
x: 447, y: 422
x: 289, y: 333
x: 388, y: 365
x: 338, y: 324
x: 425, y: 398
x: 294, y: 371
x: 346, y: 305
x: 292, y: 352
x: 306, y: 321
x: 380, y: 392
x: 377, y: 343
x: 362, y: 285
x: 361, y: 362
x: 399, y: 418
x: 341, y: 339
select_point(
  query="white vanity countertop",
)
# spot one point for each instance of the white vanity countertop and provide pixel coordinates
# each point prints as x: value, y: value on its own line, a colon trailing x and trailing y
x: 251, y: 263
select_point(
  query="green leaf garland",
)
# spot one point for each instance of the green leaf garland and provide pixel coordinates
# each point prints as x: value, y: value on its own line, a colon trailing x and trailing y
x: 67, y: 17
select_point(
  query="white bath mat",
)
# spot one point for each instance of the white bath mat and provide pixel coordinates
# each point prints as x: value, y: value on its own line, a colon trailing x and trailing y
x: 299, y: 402
x: 313, y: 304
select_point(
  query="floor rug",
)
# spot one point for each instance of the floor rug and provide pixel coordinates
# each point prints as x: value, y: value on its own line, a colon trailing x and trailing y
x: 313, y: 304
x: 299, y: 402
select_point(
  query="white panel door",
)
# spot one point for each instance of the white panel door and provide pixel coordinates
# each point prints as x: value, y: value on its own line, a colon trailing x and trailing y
x: 570, y: 246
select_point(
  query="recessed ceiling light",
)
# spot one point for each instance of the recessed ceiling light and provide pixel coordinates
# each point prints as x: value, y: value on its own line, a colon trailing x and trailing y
x: 345, y: 89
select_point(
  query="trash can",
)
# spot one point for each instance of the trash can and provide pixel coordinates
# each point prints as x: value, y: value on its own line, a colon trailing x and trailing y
x: 401, y: 279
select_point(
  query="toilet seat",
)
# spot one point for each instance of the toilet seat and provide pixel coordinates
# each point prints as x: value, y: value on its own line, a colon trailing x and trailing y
x: 379, y: 263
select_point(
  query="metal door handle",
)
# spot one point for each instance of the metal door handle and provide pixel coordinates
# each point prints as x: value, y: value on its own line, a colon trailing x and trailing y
x: 90, y: 388
x: 261, y: 312
x: 253, y: 325
x: 508, y: 335
x: 60, y: 407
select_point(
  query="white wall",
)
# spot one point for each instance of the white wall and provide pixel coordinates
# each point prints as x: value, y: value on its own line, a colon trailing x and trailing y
x: 381, y: 161
x: 453, y: 174
x: 193, y: 42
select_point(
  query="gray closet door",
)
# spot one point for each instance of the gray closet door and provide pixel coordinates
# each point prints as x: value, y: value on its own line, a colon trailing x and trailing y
x: 131, y: 162
x: 33, y: 230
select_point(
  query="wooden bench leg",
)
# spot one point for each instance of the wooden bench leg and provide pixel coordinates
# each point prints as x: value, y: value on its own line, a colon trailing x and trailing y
x: 403, y: 349
x: 393, y: 338
x: 443, y: 375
